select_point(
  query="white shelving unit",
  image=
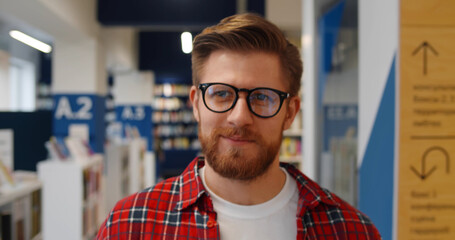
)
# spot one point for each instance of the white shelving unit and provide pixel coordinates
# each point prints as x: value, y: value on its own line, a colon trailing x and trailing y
x: 21, y: 190
x: 72, y: 197
x: 129, y: 169
x: 18, y: 201
x: 117, y: 173
x: 141, y: 166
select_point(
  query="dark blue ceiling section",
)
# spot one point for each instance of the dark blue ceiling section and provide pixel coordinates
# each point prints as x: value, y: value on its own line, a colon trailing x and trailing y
x: 164, y: 12
x: 162, y: 53
x: 256, y: 6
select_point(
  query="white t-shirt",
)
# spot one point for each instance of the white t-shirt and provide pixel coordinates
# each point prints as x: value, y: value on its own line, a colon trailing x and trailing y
x: 274, y: 219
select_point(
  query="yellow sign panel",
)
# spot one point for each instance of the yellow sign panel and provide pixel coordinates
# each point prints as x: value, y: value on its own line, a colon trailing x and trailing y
x: 427, y: 12
x: 426, y: 184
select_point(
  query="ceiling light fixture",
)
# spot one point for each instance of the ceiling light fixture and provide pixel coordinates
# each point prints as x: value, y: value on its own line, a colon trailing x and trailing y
x: 187, y: 42
x: 32, y: 42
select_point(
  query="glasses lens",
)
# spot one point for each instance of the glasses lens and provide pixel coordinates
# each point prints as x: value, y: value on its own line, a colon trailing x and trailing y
x: 264, y: 102
x: 219, y: 97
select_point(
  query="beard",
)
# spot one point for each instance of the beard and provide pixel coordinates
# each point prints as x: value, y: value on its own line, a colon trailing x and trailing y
x: 238, y: 162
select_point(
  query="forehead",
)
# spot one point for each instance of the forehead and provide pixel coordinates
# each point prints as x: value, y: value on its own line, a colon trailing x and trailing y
x: 244, y: 69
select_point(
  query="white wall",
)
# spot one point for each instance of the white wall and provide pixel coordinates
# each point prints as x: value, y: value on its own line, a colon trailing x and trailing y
x: 133, y: 88
x: 4, y: 81
x: 15, y: 48
x: 81, y: 14
x: 121, y: 48
x: 286, y: 14
x: 79, y: 55
x: 75, y: 67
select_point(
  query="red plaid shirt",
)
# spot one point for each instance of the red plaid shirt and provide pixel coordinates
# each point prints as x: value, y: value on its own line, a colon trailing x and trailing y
x: 180, y: 208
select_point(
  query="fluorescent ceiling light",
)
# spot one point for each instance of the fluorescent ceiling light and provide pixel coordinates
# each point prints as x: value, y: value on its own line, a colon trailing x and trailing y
x: 32, y: 42
x: 187, y: 42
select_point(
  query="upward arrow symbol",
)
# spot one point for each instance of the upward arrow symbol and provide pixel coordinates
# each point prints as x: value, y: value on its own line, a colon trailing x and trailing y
x: 425, y: 45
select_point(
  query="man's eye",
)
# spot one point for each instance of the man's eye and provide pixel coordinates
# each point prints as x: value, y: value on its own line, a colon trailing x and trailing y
x: 260, y: 97
x: 222, y: 94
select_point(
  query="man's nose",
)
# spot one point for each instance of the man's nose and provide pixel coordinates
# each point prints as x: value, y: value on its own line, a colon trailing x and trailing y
x: 240, y: 115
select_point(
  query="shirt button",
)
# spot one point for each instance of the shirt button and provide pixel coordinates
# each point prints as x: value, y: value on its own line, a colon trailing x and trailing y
x: 210, y: 223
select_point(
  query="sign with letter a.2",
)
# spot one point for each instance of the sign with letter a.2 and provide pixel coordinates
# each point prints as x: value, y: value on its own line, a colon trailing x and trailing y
x: 85, y: 109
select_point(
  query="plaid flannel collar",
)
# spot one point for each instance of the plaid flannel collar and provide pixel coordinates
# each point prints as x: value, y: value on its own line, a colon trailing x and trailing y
x: 192, y: 189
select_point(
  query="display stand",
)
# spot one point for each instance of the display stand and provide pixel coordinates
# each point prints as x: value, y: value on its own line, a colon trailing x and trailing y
x: 72, y: 198
x: 20, y: 210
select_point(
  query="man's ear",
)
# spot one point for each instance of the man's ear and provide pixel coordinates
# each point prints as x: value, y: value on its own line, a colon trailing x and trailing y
x: 292, y: 111
x: 194, y: 98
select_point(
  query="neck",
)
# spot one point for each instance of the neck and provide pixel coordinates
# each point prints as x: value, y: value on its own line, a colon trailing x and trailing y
x: 251, y: 192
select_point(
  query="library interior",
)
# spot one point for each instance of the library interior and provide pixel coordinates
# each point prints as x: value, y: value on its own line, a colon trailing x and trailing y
x: 95, y: 106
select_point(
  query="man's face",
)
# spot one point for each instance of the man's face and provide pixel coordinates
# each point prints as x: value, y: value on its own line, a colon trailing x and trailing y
x: 238, y: 144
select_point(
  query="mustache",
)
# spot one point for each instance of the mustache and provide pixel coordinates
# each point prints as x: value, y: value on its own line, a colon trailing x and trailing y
x: 235, y: 131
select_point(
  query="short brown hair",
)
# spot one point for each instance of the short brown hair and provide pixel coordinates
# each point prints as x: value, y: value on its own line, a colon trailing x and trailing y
x: 248, y: 32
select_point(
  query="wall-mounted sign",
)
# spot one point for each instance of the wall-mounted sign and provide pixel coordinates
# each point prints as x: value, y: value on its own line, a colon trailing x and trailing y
x: 84, y: 109
x: 426, y: 173
x: 340, y: 120
x: 136, y: 119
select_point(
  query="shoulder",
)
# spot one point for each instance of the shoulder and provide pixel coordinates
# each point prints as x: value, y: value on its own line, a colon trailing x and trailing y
x: 341, y: 218
x: 137, y: 209
x: 323, y: 212
x: 162, y: 196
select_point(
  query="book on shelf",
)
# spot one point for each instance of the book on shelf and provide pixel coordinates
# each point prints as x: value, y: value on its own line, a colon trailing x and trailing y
x: 60, y: 148
x: 20, y: 229
x: 6, y: 177
x: 19, y: 217
x: 57, y: 149
x: 51, y: 152
x: 291, y: 147
x: 77, y: 148
x: 131, y: 132
x: 6, y: 225
x: 36, y: 213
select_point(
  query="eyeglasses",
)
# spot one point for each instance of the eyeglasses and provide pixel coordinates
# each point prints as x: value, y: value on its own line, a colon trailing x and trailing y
x: 262, y: 102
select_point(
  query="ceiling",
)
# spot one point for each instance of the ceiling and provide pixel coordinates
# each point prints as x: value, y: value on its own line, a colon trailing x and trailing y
x: 152, y: 17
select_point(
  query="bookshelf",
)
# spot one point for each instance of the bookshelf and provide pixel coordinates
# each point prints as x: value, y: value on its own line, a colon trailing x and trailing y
x: 292, y: 144
x: 175, y: 129
x: 20, y: 209
x: 72, y: 197
x: 129, y: 169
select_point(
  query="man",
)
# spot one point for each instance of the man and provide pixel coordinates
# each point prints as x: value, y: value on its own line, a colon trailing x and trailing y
x: 246, y: 77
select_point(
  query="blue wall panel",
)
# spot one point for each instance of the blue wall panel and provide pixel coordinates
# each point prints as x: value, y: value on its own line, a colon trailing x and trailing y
x: 377, y: 170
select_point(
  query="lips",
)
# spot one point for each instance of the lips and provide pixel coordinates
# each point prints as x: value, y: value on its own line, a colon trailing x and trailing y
x: 238, y: 139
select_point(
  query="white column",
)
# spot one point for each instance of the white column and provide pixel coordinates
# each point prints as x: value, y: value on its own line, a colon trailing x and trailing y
x: 79, y: 67
x: 310, y: 89
x: 4, y: 82
x: 378, y: 45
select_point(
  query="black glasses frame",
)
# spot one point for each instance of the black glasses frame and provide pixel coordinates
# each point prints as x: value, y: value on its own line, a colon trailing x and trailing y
x: 283, y: 95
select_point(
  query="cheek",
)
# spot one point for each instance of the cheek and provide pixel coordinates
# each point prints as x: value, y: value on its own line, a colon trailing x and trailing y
x: 209, y: 120
x: 270, y: 131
